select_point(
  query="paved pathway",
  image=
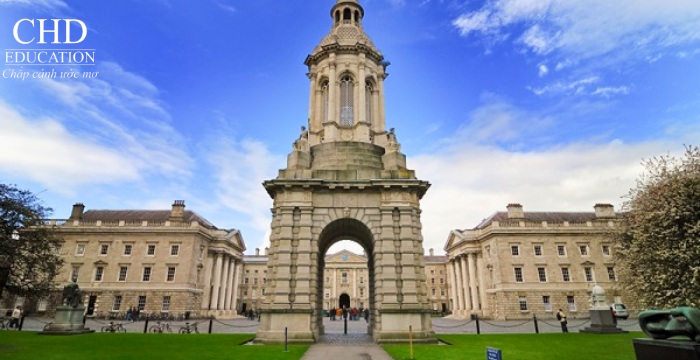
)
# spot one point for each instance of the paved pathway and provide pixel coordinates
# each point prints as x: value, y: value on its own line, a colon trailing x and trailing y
x: 346, y: 352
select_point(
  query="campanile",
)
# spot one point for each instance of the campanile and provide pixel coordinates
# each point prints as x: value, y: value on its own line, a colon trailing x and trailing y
x: 346, y: 179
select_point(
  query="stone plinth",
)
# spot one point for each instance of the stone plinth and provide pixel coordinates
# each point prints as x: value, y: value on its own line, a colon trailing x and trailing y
x: 651, y: 349
x: 68, y: 321
x: 602, y: 322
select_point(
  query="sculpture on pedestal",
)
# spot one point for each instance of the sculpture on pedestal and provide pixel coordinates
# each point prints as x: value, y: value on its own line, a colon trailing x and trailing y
x: 663, y: 324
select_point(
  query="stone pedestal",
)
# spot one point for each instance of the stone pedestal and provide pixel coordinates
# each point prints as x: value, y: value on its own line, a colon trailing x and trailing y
x: 68, y: 321
x: 602, y: 322
x: 651, y: 349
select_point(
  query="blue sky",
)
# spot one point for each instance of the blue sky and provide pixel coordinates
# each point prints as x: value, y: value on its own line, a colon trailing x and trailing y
x: 548, y: 103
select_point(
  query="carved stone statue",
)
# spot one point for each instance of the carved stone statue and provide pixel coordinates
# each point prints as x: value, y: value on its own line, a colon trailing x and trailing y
x: 72, y: 296
x: 663, y: 324
x: 303, y: 140
x: 598, y: 298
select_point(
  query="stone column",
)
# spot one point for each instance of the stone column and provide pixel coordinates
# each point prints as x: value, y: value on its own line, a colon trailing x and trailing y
x: 217, y: 281
x: 459, y: 294
x: 332, y: 91
x: 472, y: 281
x: 229, y: 283
x: 453, y: 282
x: 312, y: 99
x: 482, y: 285
x: 334, y: 290
x: 224, y: 282
x: 208, y: 270
x: 361, y: 98
x: 236, y: 285
x: 467, y: 297
x: 354, y: 283
x: 381, y: 119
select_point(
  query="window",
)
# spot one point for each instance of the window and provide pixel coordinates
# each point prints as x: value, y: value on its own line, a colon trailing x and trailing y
x: 328, y: 279
x: 362, y: 279
x: 264, y: 280
x: 75, y: 272
x: 433, y: 291
x: 432, y: 280
x: 344, y: 278
x: 432, y: 272
x: 171, y: 274
x: 255, y: 281
x: 346, y: 101
x: 128, y: 248
x: 263, y: 291
x: 166, y: 303
x: 442, y: 292
x: 565, y: 275
x: 245, y: 281
x: 99, y: 272
x: 151, y: 250
x: 547, y: 303
x: 328, y: 295
x: 518, y: 274
x: 561, y: 250
x: 80, y: 249
x: 362, y: 291
x: 174, y: 250
x: 538, y: 250
x: 104, y: 248
x: 368, y: 102
x: 571, y: 303
x: 256, y: 271
x: 583, y: 249
x: 122, y: 273
x: 522, y: 302
x: 146, y: 274
x: 611, y: 274
x: 142, y: 302
x: 57, y: 249
x: 514, y: 250
x: 542, y: 274
x: 117, y: 303
x: 442, y: 281
x: 588, y: 272
x: 606, y: 250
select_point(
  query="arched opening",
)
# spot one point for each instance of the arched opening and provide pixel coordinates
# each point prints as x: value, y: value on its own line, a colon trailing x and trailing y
x: 347, y: 14
x: 346, y: 278
x: 357, y: 16
x: 346, y: 101
x: 337, y: 16
x: 344, y: 301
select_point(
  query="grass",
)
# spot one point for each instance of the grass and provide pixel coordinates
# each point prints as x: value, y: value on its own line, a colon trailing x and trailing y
x: 16, y: 345
x: 27, y: 345
x: 572, y: 346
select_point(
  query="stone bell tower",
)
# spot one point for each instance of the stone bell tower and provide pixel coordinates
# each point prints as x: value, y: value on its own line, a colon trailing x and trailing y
x: 346, y: 179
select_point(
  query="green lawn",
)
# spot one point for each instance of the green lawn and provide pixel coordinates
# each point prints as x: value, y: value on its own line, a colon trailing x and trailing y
x: 572, y: 346
x: 28, y: 345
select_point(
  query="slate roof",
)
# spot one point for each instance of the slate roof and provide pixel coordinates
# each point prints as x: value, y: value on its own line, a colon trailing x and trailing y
x: 552, y: 217
x: 435, y: 258
x: 142, y: 215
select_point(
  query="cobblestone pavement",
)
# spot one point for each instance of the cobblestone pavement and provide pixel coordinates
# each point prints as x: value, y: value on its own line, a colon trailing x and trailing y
x: 357, y: 330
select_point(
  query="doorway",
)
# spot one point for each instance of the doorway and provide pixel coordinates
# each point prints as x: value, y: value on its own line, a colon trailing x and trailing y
x: 344, y: 301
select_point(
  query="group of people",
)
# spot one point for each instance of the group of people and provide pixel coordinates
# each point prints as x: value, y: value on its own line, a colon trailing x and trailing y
x: 352, y: 314
x: 132, y: 314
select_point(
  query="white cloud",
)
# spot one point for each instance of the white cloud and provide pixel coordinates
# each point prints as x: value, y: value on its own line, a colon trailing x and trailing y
x: 586, y: 29
x: 240, y: 168
x: 46, y: 152
x: 48, y: 4
x: 542, y: 70
x: 575, y: 87
x: 226, y: 7
x: 609, y: 91
x: 484, y: 179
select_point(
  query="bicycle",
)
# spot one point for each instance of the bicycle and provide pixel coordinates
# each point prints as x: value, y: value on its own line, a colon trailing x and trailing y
x: 160, y: 328
x: 113, y: 328
x: 189, y: 329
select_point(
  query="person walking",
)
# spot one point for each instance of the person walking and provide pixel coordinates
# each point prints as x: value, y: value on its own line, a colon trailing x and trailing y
x: 561, y: 316
x: 366, y: 314
x: 16, y: 315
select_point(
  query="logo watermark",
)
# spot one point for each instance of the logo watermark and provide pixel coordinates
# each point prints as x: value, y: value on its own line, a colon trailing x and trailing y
x: 49, y: 46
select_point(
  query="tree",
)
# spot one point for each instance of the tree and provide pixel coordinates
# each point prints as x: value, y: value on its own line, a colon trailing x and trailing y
x: 658, y: 247
x: 28, y: 258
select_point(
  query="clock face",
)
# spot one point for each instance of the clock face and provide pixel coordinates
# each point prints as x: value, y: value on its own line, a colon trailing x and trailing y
x: 345, y: 257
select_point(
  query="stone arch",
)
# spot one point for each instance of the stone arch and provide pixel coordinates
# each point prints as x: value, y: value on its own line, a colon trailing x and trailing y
x: 345, y: 229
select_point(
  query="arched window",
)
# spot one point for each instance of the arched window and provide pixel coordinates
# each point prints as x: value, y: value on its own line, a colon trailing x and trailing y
x: 337, y: 16
x: 347, y: 14
x: 357, y: 16
x: 346, y: 102
x: 324, y: 102
x: 368, y: 102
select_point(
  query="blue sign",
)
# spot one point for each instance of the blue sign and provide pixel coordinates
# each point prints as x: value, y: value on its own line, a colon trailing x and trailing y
x: 493, y: 354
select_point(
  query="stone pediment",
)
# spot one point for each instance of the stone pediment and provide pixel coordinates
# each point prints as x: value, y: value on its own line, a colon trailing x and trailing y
x: 345, y: 256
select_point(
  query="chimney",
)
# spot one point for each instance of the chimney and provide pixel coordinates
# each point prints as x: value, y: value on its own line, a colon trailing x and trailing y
x: 515, y: 211
x: 257, y: 251
x: 432, y: 252
x: 77, y: 212
x: 178, y: 210
x: 604, y: 211
x: 266, y: 250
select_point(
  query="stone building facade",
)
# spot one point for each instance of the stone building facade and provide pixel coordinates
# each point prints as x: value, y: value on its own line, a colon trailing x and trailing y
x: 517, y: 264
x: 159, y: 261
